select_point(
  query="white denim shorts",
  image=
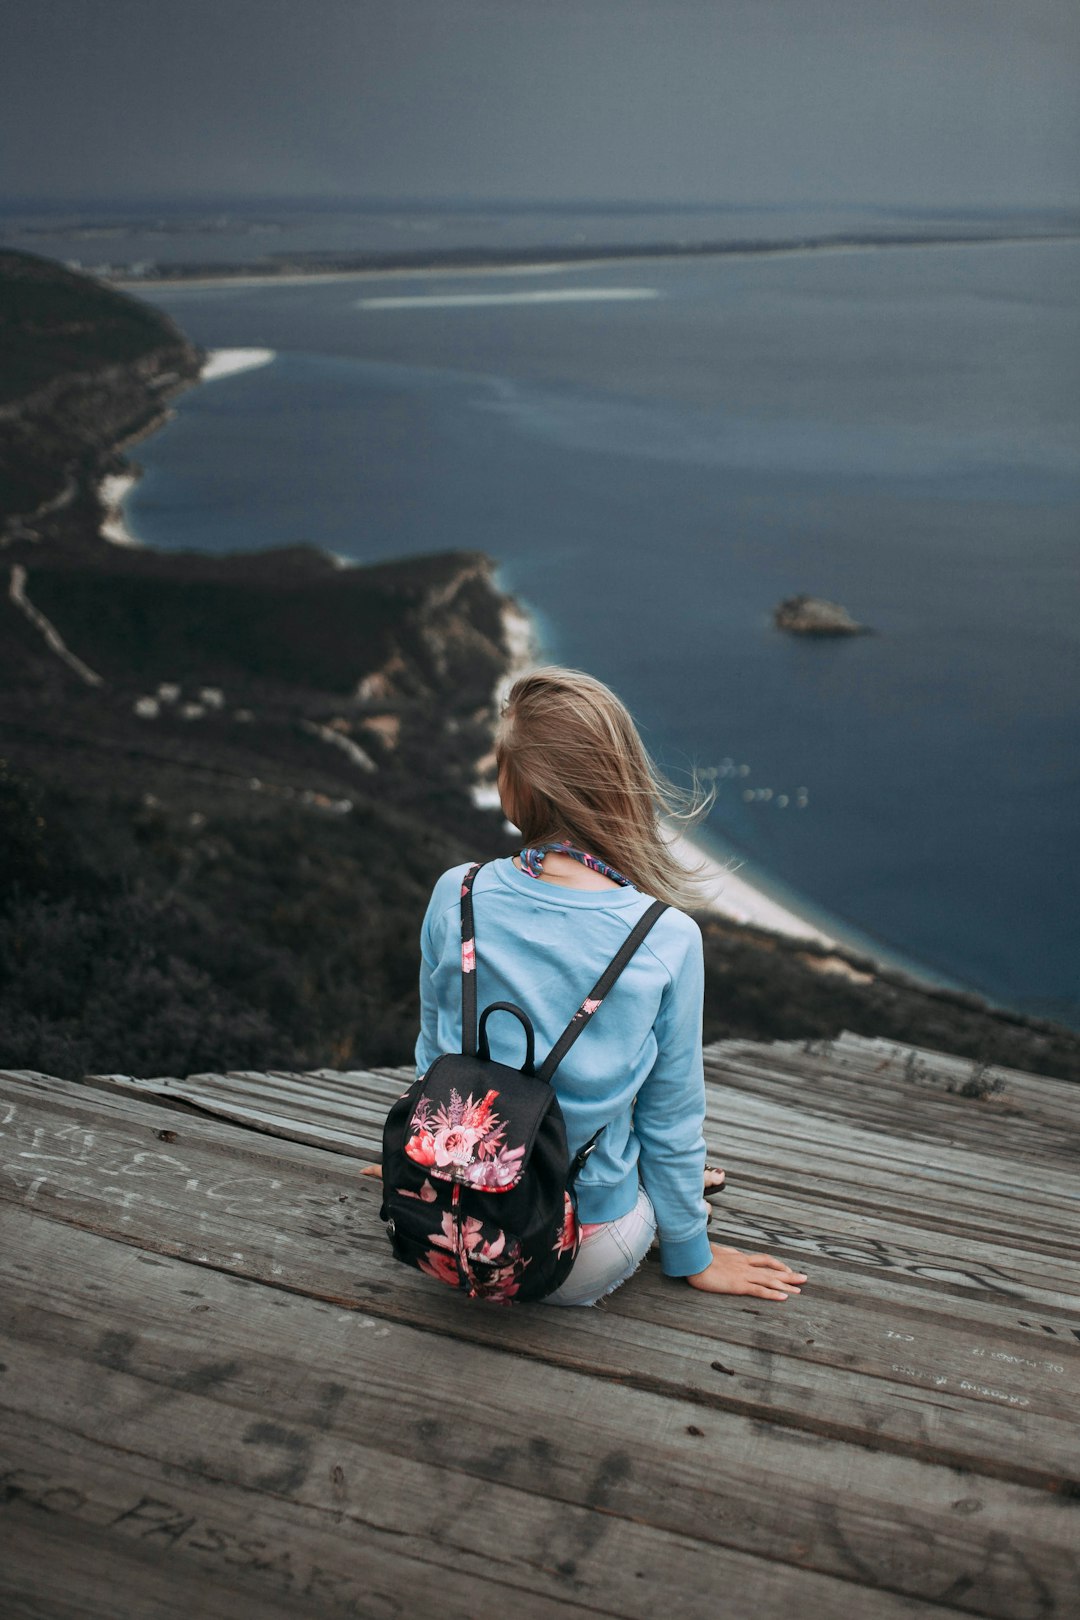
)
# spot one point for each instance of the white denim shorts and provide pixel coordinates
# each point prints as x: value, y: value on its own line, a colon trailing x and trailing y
x: 609, y: 1254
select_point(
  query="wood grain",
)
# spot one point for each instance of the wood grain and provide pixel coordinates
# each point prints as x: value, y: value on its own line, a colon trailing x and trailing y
x: 199, y: 1313
x: 165, y: 1359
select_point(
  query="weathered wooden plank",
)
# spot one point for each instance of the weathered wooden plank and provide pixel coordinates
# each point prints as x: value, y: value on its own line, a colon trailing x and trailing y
x: 879, y: 1054
x: 797, y: 1231
x: 213, y: 1194
x: 54, y: 1567
x: 1000, y: 1262
x: 354, y: 1130
x: 146, y: 1353
x: 792, y: 1125
x: 923, y: 1079
x: 1044, y: 1229
x: 758, y: 1140
x: 847, y: 1125
x: 319, y: 1555
x: 1044, y: 1112
x: 992, y: 1268
x: 803, y: 1108
x: 874, y: 1057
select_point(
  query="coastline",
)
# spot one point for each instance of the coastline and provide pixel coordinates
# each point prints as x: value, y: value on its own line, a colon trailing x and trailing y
x: 725, y: 893
x: 114, y: 488
x: 734, y: 897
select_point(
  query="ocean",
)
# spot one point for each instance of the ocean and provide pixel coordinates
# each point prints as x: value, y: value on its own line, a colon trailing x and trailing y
x: 659, y: 453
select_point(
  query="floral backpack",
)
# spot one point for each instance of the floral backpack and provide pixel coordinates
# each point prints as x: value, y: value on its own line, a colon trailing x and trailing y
x: 478, y: 1184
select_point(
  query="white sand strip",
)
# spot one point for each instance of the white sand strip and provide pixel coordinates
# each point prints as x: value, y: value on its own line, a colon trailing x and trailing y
x: 732, y: 896
x: 545, y: 295
x: 113, y: 489
x: 227, y: 362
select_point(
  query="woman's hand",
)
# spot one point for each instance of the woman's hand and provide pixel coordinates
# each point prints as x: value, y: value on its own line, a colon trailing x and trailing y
x: 732, y: 1272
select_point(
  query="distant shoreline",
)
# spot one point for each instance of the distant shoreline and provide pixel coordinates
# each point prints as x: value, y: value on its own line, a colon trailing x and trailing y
x: 534, y: 261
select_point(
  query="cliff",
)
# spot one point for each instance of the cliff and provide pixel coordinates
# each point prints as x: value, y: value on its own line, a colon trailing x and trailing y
x: 222, y: 812
x: 85, y: 369
x: 227, y: 784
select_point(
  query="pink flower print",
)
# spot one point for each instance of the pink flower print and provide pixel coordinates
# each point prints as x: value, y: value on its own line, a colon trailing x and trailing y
x: 447, y: 1238
x: 479, y: 1114
x: 426, y: 1195
x: 471, y: 1232
x: 568, y: 1237
x: 589, y: 1007
x: 497, y: 1173
x: 500, y: 1287
x: 443, y: 1267
x: 421, y: 1147
x: 455, y: 1144
x: 468, y: 956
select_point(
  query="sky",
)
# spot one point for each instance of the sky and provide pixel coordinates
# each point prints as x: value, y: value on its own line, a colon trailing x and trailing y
x: 910, y: 102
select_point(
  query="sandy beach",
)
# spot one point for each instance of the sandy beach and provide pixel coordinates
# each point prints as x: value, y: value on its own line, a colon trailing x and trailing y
x: 113, y: 490
x: 524, y: 266
x: 227, y: 362
x: 726, y: 893
x: 735, y: 897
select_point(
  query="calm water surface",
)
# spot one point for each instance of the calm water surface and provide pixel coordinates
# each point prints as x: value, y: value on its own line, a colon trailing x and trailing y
x: 896, y: 429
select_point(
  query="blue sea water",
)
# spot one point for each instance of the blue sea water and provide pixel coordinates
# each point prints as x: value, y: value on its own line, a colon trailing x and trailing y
x: 893, y: 428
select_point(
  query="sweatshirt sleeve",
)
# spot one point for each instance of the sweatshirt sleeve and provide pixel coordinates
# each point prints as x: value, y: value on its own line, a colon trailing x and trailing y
x: 669, y: 1116
x: 431, y: 943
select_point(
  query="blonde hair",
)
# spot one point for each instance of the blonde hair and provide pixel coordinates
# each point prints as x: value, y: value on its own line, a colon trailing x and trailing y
x: 575, y: 768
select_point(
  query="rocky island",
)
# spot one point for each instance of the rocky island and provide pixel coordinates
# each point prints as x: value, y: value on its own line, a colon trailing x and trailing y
x: 814, y: 616
x: 227, y: 783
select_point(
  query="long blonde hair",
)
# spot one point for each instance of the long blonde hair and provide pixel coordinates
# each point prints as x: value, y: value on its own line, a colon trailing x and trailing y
x: 573, y: 767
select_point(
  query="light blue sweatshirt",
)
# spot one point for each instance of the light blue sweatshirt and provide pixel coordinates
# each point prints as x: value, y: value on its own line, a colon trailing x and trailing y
x: 636, y: 1069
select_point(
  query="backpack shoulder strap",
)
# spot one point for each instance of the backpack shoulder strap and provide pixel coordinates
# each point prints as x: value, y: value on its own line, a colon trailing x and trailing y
x: 468, y: 962
x: 601, y: 988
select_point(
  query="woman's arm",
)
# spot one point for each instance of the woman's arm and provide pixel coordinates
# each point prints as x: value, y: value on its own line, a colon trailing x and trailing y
x: 669, y: 1115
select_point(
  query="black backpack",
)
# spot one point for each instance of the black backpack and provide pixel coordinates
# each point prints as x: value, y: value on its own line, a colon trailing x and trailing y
x: 478, y: 1185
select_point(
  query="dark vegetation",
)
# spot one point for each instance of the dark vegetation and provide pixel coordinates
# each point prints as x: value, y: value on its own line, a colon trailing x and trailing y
x: 762, y: 987
x: 82, y: 368
x: 235, y: 876
x: 131, y: 938
x: 218, y: 883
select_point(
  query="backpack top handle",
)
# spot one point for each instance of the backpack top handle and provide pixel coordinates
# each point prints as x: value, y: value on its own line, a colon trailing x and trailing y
x: 529, y: 1066
x: 588, y: 1007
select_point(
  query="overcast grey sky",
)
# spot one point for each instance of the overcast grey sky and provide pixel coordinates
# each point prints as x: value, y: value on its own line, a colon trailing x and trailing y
x: 958, y: 102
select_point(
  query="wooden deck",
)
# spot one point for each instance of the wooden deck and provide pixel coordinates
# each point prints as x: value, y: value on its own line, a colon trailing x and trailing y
x: 222, y: 1397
